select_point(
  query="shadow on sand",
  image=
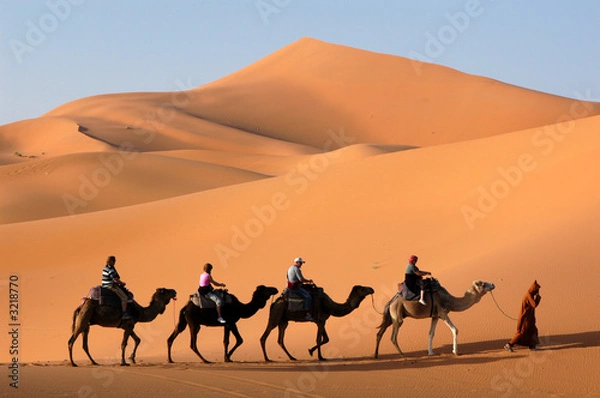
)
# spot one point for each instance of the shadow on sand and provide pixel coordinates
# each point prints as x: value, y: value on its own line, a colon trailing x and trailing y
x: 474, y: 353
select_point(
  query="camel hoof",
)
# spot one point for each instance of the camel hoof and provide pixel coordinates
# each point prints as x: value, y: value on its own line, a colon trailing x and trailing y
x: 228, y: 360
x: 455, y: 353
x: 124, y: 364
x: 94, y: 363
x: 431, y: 354
x: 322, y: 359
x: 73, y: 364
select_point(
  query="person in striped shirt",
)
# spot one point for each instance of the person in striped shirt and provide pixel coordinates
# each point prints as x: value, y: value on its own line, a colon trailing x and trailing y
x: 112, y: 281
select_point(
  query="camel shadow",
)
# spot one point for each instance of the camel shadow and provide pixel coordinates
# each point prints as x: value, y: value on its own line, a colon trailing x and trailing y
x: 547, y: 342
x: 474, y: 353
x: 368, y: 364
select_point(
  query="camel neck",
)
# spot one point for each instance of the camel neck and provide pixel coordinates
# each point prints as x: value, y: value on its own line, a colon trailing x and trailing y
x: 465, y: 302
x: 339, y: 310
x: 249, y: 309
x: 148, y: 314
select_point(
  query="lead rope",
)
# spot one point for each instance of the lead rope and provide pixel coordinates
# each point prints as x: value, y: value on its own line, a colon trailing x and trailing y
x: 174, y: 313
x: 373, y: 302
x: 505, y: 314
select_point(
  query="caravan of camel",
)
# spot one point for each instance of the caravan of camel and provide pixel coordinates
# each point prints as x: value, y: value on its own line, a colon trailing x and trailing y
x: 101, y: 310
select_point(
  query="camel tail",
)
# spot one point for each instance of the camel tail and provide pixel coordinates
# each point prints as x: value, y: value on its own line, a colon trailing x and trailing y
x: 75, y: 314
x: 182, y: 323
x: 387, y: 317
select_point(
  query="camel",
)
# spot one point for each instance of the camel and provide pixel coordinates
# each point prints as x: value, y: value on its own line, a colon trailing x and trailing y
x: 439, y: 304
x: 323, y: 308
x: 92, y: 313
x: 195, y: 316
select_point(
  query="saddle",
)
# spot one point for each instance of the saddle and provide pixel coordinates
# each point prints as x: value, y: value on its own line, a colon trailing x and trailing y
x: 295, y: 300
x: 107, y: 297
x: 430, y: 284
x: 204, y: 302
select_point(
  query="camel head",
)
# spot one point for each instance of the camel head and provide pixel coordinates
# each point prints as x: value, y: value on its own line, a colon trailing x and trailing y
x: 164, y: 296
x: 265, y: 291
x: 480, y: 288
x: 262, y: 293
x: 359, y: 293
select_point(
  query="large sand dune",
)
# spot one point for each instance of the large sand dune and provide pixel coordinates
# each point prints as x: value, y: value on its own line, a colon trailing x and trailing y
x: 351, y: 159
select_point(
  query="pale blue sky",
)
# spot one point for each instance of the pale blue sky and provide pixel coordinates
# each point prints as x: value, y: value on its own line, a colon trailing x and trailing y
x: 56, y: 51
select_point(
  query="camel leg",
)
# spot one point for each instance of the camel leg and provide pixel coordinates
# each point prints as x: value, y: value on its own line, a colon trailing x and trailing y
x: 434, y: 322
x: 226, y: 333
x: 395, y: 328
x: 137, y: 341
x: 263, y: 339
x: 170, y: 341
x: 71, y: 343
x: 387, y: 321
x: 194, y: 329
x: 454, y: 330
x: 282, y: 327
x: 78, y: 328
x: 238, y: 342
x: 76, y: 331
x: 126, y: 335
x: 322, y: 339
x: 178, y: 329
x: 85, y: 333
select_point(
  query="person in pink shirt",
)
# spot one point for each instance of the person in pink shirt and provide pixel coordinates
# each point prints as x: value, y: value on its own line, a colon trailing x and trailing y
x: 206, y: 289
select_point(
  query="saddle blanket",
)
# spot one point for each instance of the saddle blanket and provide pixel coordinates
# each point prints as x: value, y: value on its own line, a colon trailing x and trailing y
x: 431, y: 285
x: 107, y: 297
x: 295, y: 300
x: 203, y: 302
x: 407, y: 294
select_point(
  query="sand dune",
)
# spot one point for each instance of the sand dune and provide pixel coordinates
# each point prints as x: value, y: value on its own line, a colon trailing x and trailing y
x: 374, y: 97
x: 79, y: 183
x: 44, y: 137
x: 352, y: 160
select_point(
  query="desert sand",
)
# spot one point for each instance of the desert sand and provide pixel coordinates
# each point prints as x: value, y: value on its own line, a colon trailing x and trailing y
x: 351, y: 159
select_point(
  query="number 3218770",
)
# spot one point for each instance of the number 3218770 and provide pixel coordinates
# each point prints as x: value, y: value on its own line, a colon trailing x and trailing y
x: 13, y: 296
